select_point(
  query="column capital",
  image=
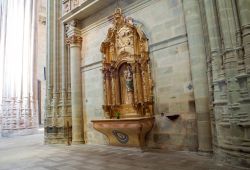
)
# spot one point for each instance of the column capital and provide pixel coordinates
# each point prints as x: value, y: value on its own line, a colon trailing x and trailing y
x: 74, y: 39
x: 73, y: 33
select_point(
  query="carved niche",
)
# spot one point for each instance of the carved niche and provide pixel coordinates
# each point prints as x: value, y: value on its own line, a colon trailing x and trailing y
x: 126, y: 70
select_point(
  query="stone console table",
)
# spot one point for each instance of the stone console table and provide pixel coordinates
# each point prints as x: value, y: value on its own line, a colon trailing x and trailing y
x: 125, y: 132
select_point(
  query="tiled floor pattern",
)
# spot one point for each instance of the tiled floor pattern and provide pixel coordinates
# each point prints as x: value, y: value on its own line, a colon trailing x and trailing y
x: 29, y: 153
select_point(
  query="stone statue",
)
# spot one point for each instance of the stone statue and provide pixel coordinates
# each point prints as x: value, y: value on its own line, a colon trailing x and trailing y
x: 128, y: 75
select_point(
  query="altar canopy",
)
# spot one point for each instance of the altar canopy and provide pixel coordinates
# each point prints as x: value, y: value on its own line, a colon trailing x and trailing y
x: 17, y: 29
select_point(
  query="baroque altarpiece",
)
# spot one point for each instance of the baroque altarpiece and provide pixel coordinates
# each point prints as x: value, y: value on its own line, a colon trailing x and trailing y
x: 128, y: 96
x: 126, y: 70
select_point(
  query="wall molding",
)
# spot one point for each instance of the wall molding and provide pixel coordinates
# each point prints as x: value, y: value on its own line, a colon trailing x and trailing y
x: 92, y: 66
x: 168, y: 43
x: 130, y: 9
x: 173, y: 41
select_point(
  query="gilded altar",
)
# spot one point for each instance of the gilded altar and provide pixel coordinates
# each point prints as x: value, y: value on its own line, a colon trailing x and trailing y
x: 127, y: 82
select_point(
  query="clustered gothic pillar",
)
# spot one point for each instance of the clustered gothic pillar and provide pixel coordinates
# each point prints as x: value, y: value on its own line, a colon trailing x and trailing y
x: 74, y: 40
x: 244, y: 15
x: 215, y: 58
x: 58, y: 116
x: 199, y: 72
x: 52, y: 125
x: 228, y: 31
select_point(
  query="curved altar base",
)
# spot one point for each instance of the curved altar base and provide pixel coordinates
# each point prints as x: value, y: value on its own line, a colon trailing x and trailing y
x: 125, y: 132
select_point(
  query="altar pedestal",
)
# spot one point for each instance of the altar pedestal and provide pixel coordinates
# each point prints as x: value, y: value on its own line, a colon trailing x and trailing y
x: 125, y: 132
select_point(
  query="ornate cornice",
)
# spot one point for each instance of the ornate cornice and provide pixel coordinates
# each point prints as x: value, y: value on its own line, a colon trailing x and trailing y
x: 73, y: 34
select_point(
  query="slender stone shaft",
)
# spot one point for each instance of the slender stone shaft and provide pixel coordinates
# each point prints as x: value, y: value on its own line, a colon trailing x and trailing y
x: 198, y: 71
x: 64, y: 57
x: 49, y: 59
x: 55, y: 66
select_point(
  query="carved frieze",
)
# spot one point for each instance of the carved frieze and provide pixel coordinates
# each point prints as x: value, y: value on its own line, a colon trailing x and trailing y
x: 69, y: 5
x: 75, y: 3
x: 66, y: 6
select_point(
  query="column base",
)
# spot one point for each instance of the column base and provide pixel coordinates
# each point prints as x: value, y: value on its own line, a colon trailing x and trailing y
x: 77, y: 142
x: 205, y: 153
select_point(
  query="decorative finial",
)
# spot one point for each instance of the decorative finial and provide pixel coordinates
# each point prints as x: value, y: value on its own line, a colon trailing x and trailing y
x: 117, y: 13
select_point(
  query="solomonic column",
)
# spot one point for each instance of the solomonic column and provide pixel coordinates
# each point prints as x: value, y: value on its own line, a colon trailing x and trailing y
x: 74, y: 40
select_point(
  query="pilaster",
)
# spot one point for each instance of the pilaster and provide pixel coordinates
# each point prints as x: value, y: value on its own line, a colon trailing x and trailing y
x: 54, y: 124
x: 199, y: 72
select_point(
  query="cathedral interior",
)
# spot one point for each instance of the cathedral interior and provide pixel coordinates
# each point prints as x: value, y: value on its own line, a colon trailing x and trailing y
x: 121, y: 84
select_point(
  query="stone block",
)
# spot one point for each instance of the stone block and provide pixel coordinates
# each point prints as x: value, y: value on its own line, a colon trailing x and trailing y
x: 178, y: 106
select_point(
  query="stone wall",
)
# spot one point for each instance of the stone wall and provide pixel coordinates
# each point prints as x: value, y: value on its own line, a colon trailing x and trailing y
x: 200, y: 68
x: 173, y: 90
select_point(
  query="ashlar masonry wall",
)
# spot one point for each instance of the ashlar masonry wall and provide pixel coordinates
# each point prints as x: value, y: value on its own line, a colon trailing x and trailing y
x: 163, y: 23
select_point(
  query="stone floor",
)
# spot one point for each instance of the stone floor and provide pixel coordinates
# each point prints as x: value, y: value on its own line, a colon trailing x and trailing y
x: 29, y: 153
